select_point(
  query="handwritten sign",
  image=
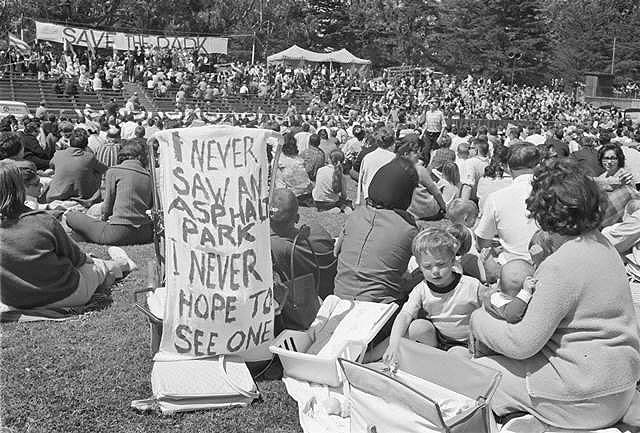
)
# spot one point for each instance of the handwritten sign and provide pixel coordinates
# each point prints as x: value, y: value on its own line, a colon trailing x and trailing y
x: 218, y: 262
x: 126, y: 41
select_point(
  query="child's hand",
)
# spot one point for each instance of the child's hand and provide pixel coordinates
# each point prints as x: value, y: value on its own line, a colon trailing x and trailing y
x: 390, y: 357
x: 529, y: 284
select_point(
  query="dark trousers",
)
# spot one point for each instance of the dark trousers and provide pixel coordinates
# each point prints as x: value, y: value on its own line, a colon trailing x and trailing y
x: 101, y: 232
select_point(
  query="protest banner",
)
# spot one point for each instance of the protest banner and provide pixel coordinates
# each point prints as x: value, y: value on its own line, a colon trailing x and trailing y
x: 217, y: 240
x: 126, y: 41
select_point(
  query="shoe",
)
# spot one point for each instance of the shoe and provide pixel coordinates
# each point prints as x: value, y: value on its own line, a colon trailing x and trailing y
x: 119, y: 255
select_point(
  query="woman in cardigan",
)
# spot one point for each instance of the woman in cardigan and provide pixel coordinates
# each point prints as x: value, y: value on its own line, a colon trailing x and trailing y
x: 128, y: 196
x: 573, y: 360
x: 39, y: 265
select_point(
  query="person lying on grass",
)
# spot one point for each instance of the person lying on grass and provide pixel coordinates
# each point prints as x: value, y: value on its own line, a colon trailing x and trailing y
x: 40, y: 266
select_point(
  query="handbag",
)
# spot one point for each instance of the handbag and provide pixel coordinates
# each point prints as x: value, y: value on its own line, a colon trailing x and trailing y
x: 298, y: 297
x: 187, y: 385
x: 432, y: 391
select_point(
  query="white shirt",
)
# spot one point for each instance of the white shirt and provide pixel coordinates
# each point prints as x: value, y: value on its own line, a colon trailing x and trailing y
x: 449, y: 312
x: 323, y: 189
x: 537, y: 139
x: 505, y: 216
x: 302, y: 140
x: 127, y: 130
x: 371, y: 163
x: 632, y: 162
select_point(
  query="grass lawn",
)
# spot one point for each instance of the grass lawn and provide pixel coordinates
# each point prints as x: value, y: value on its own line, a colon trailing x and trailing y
x: 81, y: 375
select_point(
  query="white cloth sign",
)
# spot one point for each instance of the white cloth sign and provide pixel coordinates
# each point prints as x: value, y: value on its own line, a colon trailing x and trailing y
x: 126, y: 41
x: 218, y: 263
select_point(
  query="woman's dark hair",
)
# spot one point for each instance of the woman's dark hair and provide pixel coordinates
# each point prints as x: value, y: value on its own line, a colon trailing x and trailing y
x: 12, y: 192
x: 10, y: 144
x: 79, y: 138
x: 290, y: 147
x: 563, y: 199
x: 132, y: 149
x: 617, y: 149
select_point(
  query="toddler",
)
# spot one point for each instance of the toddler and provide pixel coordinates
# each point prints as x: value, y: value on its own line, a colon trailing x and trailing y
x: 446, y: 297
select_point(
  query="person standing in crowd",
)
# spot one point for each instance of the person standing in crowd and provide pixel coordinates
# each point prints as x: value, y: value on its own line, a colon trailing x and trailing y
x: 573, y: 360
x: 504, y: 214
x: 434, y: 125
x: 128, y: 196
x: 128, y: 127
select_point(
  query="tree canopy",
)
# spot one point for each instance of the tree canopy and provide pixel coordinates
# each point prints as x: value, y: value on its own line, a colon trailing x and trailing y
x: 524, y: 40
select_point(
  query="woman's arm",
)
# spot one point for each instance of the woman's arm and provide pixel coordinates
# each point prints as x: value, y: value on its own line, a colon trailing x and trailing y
x: 433, y: 189
x: 552, y: 301
x: 66, y: 247
x: 110, y: 195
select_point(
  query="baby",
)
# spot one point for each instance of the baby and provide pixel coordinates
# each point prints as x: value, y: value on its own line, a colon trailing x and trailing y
x: 446, y: 298
x: 515, y: 288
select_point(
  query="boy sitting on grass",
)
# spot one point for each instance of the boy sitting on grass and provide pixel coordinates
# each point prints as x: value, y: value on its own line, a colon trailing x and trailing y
x: 446, y: 297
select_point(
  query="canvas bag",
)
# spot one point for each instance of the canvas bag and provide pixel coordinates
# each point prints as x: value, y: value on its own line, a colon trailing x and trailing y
x: 299, y: 301
x: 412, y: 401
x: 186, y: 385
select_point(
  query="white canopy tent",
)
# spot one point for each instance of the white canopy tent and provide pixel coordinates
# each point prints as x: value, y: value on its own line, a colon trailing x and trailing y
x: 295, y: 55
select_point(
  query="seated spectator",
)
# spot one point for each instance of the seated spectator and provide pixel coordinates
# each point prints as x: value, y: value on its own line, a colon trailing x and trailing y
x: 427, y: 202
x: 504, y: 214
x: 128, y: 196
x: 327, y: 145
x: 31, y: 240
x: 77, y: 171
x: 284, y: 219
x: 612, y: 161
x: 330, y: 189
x: 449, y: 183
x: 97, y: 82
x: 573, y: 361
x: 445, y: 296
x: 66, y: 130
x: 33, y: 151
x: 587, y: 157
x: 11, y: 148
x: 374, y: 246
x: 107, y: 152
x: 291, y: 172
x: 381, y: 154
x: 313, y: 157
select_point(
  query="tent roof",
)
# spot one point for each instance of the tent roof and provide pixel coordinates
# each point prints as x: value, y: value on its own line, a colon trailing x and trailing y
x: 296, y: 53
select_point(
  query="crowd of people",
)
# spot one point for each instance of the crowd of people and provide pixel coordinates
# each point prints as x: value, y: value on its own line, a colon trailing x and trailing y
x: 194, y: 79
x: 511, y: 246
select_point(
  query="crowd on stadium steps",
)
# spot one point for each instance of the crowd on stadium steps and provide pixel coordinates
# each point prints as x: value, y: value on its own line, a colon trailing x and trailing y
x: 514, y: 246
x: 192, y: 78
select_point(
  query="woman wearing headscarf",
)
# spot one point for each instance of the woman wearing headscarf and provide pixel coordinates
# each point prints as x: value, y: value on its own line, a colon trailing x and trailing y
x: 374, y: 247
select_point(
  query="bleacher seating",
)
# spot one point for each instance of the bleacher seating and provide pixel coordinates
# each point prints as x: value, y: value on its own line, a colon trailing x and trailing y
x: 234, y: 103
x: 31, y: 91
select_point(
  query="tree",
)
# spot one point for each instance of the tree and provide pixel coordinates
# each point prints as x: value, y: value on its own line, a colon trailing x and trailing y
x: 496, y: 38
x: 584, y: 31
